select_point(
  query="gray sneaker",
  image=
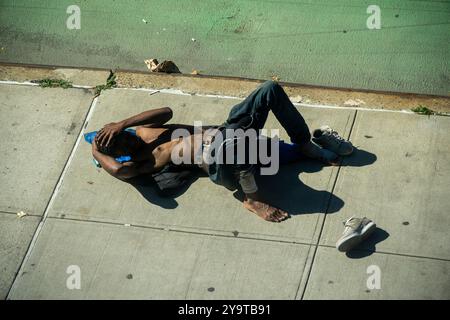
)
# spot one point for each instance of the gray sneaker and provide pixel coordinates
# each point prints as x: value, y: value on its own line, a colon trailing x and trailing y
x: 356, y: 230
x: 313, y: 151
x: 331, y: 140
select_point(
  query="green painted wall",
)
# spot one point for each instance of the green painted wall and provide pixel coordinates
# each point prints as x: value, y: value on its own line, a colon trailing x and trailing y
x: 298, y: 41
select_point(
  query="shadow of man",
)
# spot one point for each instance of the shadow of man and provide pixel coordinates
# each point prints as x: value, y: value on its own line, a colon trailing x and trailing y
x: 148, y: 187
x: 284, y: 190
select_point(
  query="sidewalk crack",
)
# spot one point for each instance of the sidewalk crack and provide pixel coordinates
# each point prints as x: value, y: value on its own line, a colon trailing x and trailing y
x: 316, y: 245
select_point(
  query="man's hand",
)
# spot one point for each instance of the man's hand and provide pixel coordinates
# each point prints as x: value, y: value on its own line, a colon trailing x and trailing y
x: 265, y: 211
x: 150, y: 118
x: 94, y: 146
x: 107, y: 133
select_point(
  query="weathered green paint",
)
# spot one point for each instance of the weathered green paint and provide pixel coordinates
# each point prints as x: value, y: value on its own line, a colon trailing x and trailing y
x: 298, y: 41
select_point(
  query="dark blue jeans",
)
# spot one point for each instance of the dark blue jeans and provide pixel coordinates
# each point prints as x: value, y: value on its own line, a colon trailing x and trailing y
x: 252, y: 113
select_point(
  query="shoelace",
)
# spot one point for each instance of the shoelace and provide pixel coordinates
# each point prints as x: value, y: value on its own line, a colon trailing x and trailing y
x: 348, y: 223
x: 335, y: 135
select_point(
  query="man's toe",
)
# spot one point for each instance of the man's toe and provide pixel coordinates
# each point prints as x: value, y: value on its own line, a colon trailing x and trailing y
x: 271, y: 217
x: 281, y: 215
x: 276, y: 216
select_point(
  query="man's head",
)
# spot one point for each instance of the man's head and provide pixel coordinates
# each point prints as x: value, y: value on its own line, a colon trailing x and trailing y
x: 123, y: 144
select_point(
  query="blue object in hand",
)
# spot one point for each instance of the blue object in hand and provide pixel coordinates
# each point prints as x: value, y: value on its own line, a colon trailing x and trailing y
x: 89, y: 138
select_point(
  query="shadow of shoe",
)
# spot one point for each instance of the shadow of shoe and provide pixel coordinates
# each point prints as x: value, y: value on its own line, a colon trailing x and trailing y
x: 368, y: 247
x: 359, y: 158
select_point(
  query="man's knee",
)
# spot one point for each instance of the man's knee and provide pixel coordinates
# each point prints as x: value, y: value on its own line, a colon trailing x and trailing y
x: 271, y: 87
x: 270, y: 84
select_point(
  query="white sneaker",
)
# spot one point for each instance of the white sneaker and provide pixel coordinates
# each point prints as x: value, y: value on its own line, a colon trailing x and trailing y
x: 356, y: 230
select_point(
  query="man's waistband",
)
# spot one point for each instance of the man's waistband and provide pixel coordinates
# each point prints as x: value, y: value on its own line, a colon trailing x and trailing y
x: 208, y: 138
x: 210, y: 135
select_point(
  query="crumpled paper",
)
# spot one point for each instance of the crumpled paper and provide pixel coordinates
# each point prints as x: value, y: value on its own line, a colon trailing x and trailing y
x: 354, y: 103
x: 21, y: 214
x: 166, y: 66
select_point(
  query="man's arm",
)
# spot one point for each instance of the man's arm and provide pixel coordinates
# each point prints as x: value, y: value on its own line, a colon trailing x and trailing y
x: 150, y: 118
x: 118, y: 170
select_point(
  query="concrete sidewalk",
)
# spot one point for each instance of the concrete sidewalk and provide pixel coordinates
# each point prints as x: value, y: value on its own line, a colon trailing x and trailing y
x: 131, y: 244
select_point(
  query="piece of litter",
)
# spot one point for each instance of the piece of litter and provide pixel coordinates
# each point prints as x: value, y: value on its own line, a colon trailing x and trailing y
x: 354, y: 103
x: 195, y: 72
x: 193, y: 40
x: 151, y: 64
x: 21, y: 214
x: 144, y: 21
x: 166, y: 66
x: 127, y: 225
x: 297, y: 99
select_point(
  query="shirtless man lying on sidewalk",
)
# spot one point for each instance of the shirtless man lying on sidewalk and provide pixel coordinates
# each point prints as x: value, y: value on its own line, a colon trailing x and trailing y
x: 153, y: 146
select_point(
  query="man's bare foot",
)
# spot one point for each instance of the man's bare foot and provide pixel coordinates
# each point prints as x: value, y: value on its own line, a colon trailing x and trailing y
x: 265, y: 211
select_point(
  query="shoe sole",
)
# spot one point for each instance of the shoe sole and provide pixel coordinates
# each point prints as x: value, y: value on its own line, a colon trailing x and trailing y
x: 351, y: 241
x: 347, y: 153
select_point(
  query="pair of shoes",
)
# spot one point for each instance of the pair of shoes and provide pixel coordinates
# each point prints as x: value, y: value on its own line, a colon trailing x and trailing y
x: 356, y: 230
x: 329, y: 139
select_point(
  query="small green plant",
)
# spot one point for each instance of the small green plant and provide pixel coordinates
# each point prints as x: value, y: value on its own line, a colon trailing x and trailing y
x: 53, y: 83
x: 423, y: 110
x: 110, y: 83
